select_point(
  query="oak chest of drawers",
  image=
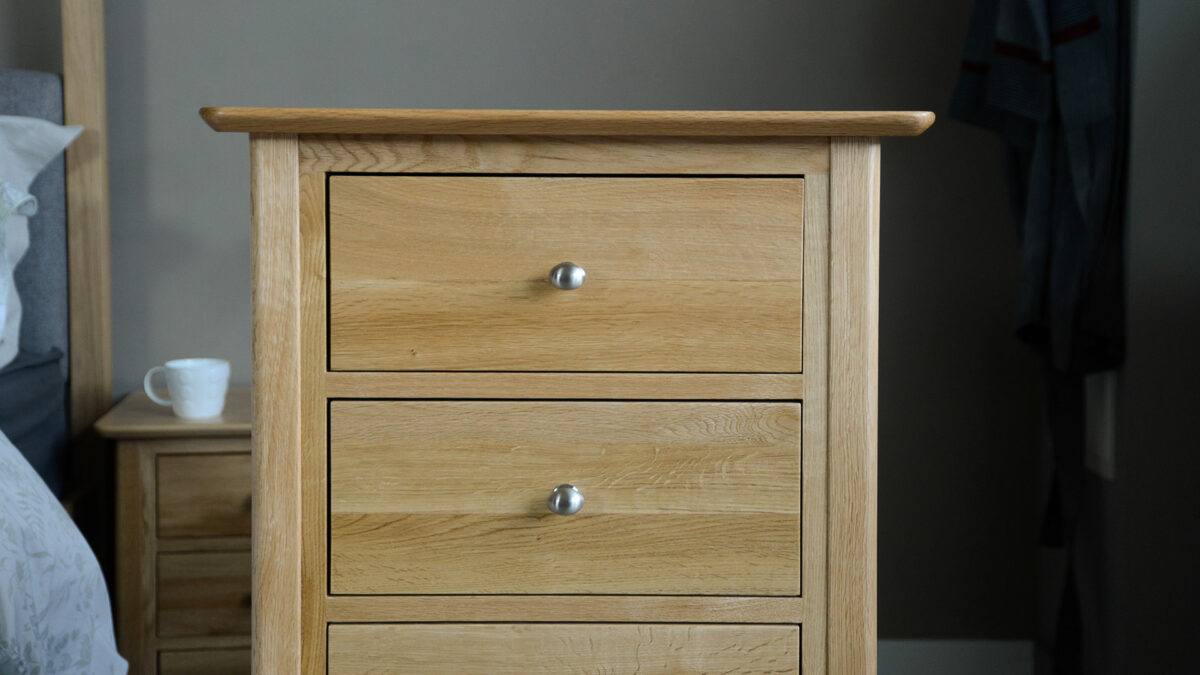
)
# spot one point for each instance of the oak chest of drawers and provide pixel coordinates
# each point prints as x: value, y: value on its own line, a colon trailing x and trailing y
x: 556, y: 392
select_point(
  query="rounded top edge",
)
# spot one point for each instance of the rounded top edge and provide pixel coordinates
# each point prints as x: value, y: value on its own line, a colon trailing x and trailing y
x: 567, y: 122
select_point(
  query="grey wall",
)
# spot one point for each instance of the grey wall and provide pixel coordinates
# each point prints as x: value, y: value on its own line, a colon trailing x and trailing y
x: 958, y: 425
x: 1158, y: 454
x: 29, y: 35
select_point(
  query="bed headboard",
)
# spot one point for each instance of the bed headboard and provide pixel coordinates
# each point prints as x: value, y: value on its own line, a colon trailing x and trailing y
x: 68, y: 268
x: 88, y: 257
x: 63, y: 279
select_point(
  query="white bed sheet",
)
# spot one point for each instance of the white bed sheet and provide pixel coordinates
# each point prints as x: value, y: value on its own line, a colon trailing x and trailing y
x: 55, y: 617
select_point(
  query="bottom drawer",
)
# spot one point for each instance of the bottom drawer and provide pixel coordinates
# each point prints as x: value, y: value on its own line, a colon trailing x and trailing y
x: 205, y: 662
x: 524, y: 649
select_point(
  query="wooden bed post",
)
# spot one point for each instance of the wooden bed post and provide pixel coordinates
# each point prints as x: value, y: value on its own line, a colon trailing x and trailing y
x: 90, y: 469
x: 88, y: 257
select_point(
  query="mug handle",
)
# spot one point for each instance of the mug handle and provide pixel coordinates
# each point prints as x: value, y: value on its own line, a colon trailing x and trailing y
x: 146, y: 384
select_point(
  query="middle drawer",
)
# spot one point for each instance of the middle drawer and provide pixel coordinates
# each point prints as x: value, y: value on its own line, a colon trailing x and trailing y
x: 450, y: 497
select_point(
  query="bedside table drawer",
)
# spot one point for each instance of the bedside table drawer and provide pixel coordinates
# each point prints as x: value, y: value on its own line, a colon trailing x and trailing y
x: 450, y: 273
x: 204, y: 662
x: 529, y: 649
x: 203, y: 495
x: 446, y: 497
x: 204, y: 593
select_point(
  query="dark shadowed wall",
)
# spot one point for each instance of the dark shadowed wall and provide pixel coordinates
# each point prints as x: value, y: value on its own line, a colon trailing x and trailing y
x: 1157, y: 543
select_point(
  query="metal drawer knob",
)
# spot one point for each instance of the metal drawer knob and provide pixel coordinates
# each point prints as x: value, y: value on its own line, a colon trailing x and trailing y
x: 567, y: 276
x: 565, y: 500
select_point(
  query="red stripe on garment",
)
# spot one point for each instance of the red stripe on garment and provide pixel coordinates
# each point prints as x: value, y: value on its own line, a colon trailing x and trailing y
x: 1020, y: 53
x: 1075, y: 31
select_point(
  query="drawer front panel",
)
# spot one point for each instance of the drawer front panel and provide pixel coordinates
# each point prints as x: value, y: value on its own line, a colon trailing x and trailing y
x: 528, y: 649
x: 204, y: 593
x: 204, y: 662
x: 204, y: 495
x: 449, y: 273
x: 431, y: 497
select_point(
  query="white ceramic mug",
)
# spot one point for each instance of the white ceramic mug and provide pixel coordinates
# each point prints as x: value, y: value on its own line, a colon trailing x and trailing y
x: 196, y: 386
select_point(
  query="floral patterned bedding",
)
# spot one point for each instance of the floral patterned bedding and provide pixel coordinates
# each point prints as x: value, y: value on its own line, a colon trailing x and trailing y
x: 55, y: 617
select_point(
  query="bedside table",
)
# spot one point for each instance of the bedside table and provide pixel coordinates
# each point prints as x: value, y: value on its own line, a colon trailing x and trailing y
x: 183, y: 536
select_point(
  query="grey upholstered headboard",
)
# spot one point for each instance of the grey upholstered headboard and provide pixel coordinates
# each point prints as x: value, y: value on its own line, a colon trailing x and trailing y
x: 41, y: 277
x: 33, y: 387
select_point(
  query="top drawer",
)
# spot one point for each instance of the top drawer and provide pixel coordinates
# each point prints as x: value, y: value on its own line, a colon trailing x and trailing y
x: 449, y: 272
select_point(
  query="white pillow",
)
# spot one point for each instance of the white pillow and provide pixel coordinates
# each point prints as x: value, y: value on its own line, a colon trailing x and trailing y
x: 27, y: 145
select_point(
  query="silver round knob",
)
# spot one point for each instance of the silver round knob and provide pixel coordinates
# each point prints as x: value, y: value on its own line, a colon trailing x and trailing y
x: 565, y: 500
x: 567, y: 276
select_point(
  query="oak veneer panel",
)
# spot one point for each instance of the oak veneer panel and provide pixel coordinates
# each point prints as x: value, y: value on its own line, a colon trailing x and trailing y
x: 569, y: 122
x: 203, y: 593
x: 618, y: 386
x: 276, y: 437
x: 528, y: 649
x: 449, y: 497
x: 89, y: 263
x: 566, y: 608
x: 139, y: 417
x: 204, y: 544
x: 204, y: 495
x: 853, y: 404
x: 449, y: 273
x: 816, y: 416
x: 566, y: 154
x: 191, y: 642
x: 135, y: 581
x: 314, y: 409
x: 204, y: 662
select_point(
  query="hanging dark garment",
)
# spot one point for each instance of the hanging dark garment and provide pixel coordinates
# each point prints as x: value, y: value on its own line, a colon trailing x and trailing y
x: 1052, y: 78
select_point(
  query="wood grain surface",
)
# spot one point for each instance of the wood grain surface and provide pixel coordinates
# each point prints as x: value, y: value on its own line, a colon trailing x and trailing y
x: 566, y: 608
x: 620, y: 386
x: 205, y: 593
x: 568, y: 122
x: 204, y: 495
x: 275, y: 523
x: 450, y: 497
x: 528, y: 649
x: 567, y: 154
x: 449, y: 273
x: 89, y: 263
x: 814, y: 436
x: 853, y: 404
x: 204, y: 662
x: 314, y: 519
x: 135, y: 582
x: 136, y: 416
